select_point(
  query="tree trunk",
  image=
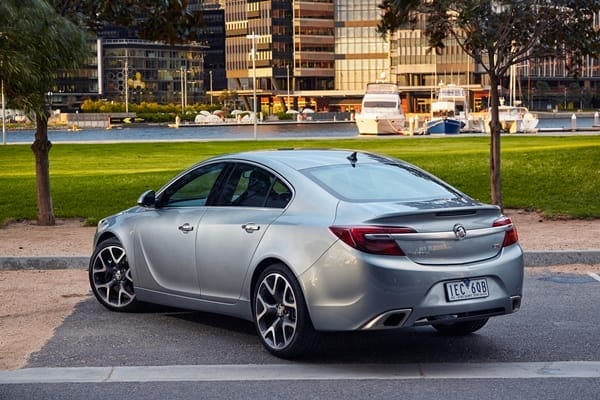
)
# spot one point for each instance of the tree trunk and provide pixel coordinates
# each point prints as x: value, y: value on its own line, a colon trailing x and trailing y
x: 495, y: 154
x: 41, y: 149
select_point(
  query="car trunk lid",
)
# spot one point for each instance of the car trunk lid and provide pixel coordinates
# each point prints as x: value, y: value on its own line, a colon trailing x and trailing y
x: 442, y: 236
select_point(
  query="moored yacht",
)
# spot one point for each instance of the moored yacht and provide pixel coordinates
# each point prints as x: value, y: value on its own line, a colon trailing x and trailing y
x: 514, y: 118
x: 381, y: 111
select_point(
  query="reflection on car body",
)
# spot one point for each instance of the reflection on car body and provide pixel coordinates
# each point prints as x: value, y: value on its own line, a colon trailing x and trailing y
x: 304, y: 241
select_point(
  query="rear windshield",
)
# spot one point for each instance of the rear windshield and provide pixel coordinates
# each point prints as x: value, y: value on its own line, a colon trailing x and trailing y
x: 379, y: 182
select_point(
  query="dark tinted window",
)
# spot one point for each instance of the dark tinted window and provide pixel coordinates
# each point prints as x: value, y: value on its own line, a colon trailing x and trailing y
x: 252, y: 186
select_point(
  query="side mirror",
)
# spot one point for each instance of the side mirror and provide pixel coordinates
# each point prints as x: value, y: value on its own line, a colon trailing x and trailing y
x: 147, y: 199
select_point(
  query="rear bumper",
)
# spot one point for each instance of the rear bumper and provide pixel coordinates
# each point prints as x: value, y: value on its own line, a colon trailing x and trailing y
x: 405, y: 317
x: 349, y: 290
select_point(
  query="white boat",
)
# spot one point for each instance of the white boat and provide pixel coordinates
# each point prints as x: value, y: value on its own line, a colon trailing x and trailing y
x: 514, y: 118
x: 381, y: 111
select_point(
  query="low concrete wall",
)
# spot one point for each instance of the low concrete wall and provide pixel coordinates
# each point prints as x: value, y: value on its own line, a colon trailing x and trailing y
x: 92, y: 120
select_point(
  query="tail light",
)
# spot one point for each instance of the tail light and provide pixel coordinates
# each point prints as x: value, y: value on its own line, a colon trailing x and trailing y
x: 371, y: 239
x: 510, y: 236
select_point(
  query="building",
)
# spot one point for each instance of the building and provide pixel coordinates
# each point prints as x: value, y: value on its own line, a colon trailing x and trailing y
x: 139, y: 71
x: 319, y: 54
x: 419, y: 71
x: 151, y: 71
x: 294, y: 50
x: 72, y: 88
x: 540, y: 84
x: 213, y: 37
x: 361, y: 54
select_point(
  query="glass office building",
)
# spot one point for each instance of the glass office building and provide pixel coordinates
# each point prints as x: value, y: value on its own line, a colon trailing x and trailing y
x: 361, y: 54
x: 294, y: 50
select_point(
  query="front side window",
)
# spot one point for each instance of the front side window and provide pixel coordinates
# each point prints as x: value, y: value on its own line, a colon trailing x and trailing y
x: 194, y: 188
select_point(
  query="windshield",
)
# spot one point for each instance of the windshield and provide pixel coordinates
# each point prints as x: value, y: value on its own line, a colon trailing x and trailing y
x: 380, y: 104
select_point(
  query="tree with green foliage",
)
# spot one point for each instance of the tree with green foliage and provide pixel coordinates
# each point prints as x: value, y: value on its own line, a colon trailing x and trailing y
x: 499, y: 34
x: 39, y: 38
x: 36, y: 43
x: 170, y: 21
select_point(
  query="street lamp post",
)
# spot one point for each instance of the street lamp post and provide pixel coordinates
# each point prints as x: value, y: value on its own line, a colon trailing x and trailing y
x: 181, y: 83
x: 288, y: 86
x: 3, y: 116
x: 253, y: 37
x: 126, y: 83
x: 211, y: 87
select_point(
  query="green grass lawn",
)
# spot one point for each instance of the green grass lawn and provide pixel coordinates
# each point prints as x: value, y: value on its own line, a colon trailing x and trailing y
x: 557, y: 175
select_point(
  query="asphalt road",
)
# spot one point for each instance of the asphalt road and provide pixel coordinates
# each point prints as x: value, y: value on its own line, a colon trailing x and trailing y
x: 548, y: 350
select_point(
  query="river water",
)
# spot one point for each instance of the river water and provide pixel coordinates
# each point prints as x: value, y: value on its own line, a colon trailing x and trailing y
x: 145, y: 132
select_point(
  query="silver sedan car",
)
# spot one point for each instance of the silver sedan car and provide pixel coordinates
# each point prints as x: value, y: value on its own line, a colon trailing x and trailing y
x: 303, y: 241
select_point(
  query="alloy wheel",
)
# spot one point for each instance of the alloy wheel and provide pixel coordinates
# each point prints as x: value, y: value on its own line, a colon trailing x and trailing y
x: 110, y: 277
x: 276, y: 311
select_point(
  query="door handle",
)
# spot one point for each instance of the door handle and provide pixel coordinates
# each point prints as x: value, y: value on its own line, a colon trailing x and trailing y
x: 250, y: 227
x: 185, y: 228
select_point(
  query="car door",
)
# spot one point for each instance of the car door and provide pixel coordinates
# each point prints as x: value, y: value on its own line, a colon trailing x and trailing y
x: 231, y: 230
x: 168, y: 234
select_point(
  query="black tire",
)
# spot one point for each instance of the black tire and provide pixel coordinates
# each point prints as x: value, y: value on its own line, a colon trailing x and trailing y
x: 280, y: 314
x: 110, y: 277
x: 461, y: 328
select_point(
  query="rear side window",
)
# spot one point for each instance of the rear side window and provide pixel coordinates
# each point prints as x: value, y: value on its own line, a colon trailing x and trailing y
x: 379, y: 182
x: 252, y: 186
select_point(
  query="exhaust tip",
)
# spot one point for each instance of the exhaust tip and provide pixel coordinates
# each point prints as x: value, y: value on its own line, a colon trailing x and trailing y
x: 516, y: 303
x: 388, y: 320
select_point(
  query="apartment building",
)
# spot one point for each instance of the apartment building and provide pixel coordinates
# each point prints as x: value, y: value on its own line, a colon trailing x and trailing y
x: 138, y: 71
x: 73, y: 87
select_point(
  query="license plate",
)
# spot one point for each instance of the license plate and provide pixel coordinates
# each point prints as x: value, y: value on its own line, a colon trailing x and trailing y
x: 467, y: 289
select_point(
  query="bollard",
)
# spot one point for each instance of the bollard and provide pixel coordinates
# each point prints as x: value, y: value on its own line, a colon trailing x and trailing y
x: 596, y: 120
x: 573, y: 122
x: 411, y: 126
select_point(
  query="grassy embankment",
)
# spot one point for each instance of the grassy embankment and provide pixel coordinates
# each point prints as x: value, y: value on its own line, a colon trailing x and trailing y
x: 558, y: 175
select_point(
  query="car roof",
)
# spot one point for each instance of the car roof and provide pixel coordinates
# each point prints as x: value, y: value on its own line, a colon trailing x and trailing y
x: 299, y: 159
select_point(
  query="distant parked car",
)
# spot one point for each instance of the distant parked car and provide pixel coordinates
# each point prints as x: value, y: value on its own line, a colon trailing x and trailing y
x: 302, y: 241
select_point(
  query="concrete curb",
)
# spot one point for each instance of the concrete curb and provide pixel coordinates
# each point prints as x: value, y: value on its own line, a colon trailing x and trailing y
x: 548, y: 257
x: 31, y: 263
x: 532, y: 259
